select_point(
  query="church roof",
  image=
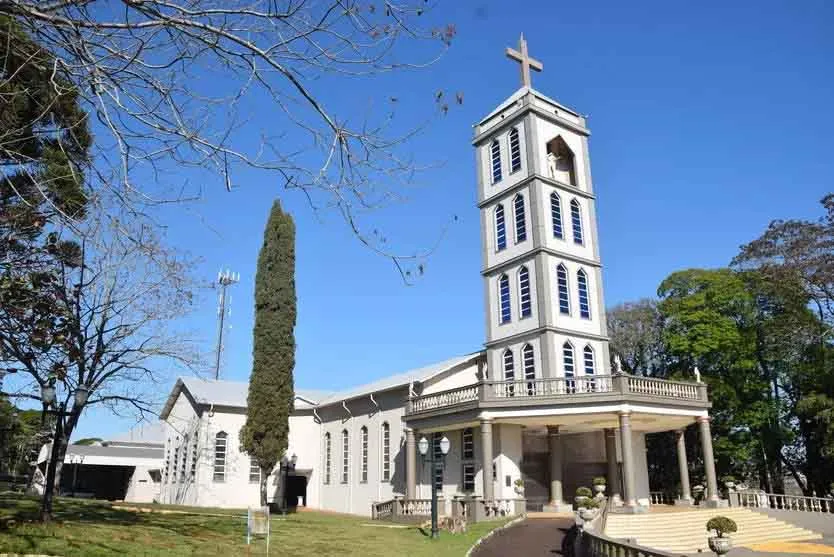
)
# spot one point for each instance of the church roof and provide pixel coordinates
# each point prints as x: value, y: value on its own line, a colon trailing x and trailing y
x: 228, y: 393
x: 401, y: 379
x: 145, y: 433
x: 521, y: 93
x: 233, y: 393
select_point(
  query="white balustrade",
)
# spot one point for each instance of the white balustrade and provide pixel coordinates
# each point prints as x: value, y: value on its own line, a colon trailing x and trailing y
x: 662, y: 388
x: 444, y: 399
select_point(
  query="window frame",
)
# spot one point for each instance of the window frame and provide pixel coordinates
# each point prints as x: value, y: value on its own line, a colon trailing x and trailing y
x: 363, y: 470
x: 569, y: 366
x: 514, y: 143
x: 345, y: 456
x: 495, y: 161
x: 563, y: 289
x: 525, y: 301
x: 386, y: 452
x: 576, y: 222
x: 500, y: 228
x: 583, y: 294
x: 253, y: 467
x: 508, y: 367
x: 520, y: 218
x: 556, y: 223
x: 328, y: 456
x: 528, y: 367
x: 505, y: 306
x: 220, y: 476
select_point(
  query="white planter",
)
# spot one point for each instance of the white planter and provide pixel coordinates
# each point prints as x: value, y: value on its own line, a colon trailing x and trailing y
x: 720, y: 545
x: 599, y: 488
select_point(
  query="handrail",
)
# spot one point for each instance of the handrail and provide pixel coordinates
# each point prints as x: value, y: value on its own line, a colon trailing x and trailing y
x: 594, y: 544
x: 579, y: 387
x: 781, y: 501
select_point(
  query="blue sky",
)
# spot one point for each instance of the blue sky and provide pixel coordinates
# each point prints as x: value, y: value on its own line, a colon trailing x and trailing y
x: 708, y: 120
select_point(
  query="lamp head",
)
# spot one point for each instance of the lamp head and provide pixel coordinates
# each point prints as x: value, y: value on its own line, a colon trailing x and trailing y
x: 294, y: 459
x: 423, y: 446
x: 445, y: 445
x: 48, y: 392
x: 82, y: 393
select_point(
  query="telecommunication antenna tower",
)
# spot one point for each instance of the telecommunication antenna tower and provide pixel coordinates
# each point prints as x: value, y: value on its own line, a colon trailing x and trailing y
x: 224, y: 280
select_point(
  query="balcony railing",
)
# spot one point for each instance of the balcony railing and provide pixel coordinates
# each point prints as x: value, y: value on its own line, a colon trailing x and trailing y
x: 559, y: 388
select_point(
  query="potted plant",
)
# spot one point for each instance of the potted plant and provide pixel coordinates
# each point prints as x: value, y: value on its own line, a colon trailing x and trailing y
x: 589, y: 509
x: 729, y: 482
x: 599, y: 485
x: 721, y: 525
x: 519, y: 486
x: 583, y: 495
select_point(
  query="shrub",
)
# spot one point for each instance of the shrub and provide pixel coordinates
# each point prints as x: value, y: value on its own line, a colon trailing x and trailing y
x: 722, y: 525
x: 584, y: 492
x: 728, y: 479
x: 519, y: 482
x: 599, y: 480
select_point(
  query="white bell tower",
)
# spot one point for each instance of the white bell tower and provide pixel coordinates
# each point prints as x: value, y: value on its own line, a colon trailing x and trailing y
x: 541, y: 266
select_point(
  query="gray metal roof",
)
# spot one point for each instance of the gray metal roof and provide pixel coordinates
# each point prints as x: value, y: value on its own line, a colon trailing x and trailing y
x: 233, y: 393
x: 145, y: 433
x: 116, y: 452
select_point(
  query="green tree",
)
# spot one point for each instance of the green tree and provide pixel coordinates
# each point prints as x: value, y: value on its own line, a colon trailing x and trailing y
x: 270, y: 399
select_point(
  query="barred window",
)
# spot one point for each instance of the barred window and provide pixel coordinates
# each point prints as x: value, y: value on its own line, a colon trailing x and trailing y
x: 591, y: 385
x: 500, y: 228
x: 520, y: 219
x: 327, y: 460
x: 184, y: 459
x: 220, y: 441
x: 468, y: 444
x: 515, y: 151
x: 509, y: 371
x: 194, y: 455
x: 525, y: 303
x: 345, y: 456
x: 562, y: 285
x: 175, y: 472
x: 438, y: 457
x: 364, y: 468
x: 556, y: 215
x: 576, y: 220
x: 468, y: 477
x: 504, y: 298
x: 582, y: 289
x: 254, y: 471
x: 567, y: 359
x: 386, y: 452
x: 495, y: 153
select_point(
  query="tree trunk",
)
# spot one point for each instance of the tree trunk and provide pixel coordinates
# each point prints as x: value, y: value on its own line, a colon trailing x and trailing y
x: 55, y: 464
x: 264, y: 481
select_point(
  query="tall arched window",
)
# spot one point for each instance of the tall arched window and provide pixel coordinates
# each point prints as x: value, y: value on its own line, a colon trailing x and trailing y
x: 345, y: 456
x: 556, y: 215
x: 569, y: 367
x: 576, y: 221
x: 509, y: 370
x: 528, y: 360
x: 500, y: 228
x: 220, y: 442
x: 525, y: 304
x: 582, y: 289
x: 588, y: 354
x: 504, y: 298
x: 363, y: 477
x: 515, y: 151
x: 520, y: 219
x: 495, y: 153
x: 562, y: 285
x: 327, y: 458
x: 386, y: 452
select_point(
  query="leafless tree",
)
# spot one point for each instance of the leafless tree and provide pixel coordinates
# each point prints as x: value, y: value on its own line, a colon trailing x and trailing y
x: 108, y: 324
x: 191, y: 82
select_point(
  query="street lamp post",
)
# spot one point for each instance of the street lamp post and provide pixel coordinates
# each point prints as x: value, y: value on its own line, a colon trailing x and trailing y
x: 48, y: 398
x: 436, y: 464
x: 287, y: 465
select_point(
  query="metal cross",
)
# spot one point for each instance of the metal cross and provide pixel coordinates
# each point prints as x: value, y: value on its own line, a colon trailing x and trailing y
x: 524, y: 59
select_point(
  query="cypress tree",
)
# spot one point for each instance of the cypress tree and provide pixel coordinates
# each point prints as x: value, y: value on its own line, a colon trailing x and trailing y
x: 270, y: 399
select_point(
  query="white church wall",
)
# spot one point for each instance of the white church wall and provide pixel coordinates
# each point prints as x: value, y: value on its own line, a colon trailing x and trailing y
x: 543, y: 103
x: 458, y: 377
x: 566, y: 243
x: 494, y: 256
x: 302, y: 442
x: 142, y: 487
x: 578, y: 346
x: 508, y: 178
x: 356, y: 496
x: 546, y: 132
x: 182, y: 419
x: 508, y: 460
x: 496, y: 358
x: 517, y: 324
x: 592, y: 325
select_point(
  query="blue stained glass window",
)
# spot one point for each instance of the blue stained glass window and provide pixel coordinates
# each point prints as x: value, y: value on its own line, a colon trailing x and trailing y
x: 504, y: 298
x: 568, y: 366
x: 500, y: 228
x: 520, y: 219
x: 556, y: 215
x: 515, y: 151
x: 562, y: 285
x: 576, y: 220
x: 495, y: 153
x: 582, y: 288
x: 525, y: 302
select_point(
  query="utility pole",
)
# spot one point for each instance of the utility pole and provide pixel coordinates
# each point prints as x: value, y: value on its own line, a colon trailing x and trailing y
x: 224, y: 280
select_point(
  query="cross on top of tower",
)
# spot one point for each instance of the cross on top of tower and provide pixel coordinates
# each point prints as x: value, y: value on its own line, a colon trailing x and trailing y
x: 527, y: 63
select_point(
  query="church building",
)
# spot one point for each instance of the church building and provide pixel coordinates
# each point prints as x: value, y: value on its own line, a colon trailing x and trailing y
x: 534, y: 415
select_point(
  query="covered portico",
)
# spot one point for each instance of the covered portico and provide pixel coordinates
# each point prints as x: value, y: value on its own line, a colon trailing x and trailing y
x: 556, y: 434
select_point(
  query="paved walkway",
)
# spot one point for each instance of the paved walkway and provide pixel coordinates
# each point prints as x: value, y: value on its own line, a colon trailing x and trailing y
x: 533, y: 537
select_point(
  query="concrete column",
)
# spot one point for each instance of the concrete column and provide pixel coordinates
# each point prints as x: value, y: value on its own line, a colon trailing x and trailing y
x: 614, y: 490
x: 628, y: 460
x: 709, y: 461
x: 683, y: 467
x: 410, y: 464
x: 486, y: 458
x: 555, y: 446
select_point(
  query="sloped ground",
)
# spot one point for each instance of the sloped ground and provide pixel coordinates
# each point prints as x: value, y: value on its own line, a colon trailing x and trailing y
x: 533, y: 537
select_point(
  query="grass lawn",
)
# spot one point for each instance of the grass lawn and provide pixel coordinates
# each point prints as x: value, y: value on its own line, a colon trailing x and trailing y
x: 94, y: 529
